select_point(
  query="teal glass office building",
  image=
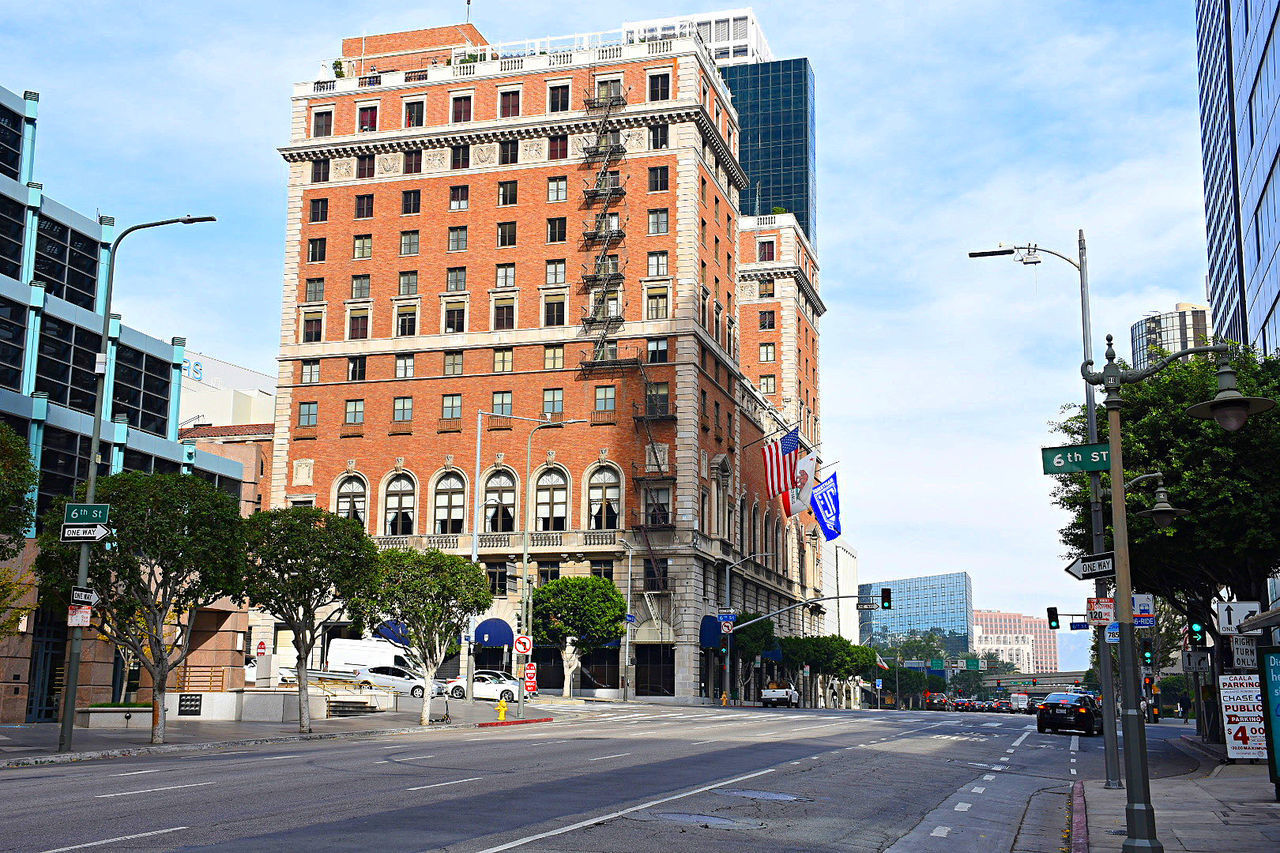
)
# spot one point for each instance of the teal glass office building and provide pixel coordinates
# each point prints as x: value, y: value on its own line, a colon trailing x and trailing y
x: 775, y: 103
x: 933, y: 603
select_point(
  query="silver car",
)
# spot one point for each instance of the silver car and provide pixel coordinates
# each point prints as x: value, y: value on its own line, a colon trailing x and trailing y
x: 397, y: 678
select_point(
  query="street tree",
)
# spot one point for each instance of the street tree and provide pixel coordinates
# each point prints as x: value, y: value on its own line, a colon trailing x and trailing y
x: 578, y: 615
x: 747, y: 643
x: 432, y: 596
x: 304, y: 564
x: 177, y: 545
x: 18, y: 478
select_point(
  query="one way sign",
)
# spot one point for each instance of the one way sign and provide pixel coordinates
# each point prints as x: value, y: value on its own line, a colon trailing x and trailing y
x: 1232, y: 613
x: 85, y: 532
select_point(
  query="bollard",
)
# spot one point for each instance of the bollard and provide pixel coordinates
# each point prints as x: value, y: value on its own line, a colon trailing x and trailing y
x: 502, y: 710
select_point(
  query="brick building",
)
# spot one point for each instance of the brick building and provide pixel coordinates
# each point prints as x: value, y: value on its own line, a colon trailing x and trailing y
x: 1017, y: 630
x: 548, y: 233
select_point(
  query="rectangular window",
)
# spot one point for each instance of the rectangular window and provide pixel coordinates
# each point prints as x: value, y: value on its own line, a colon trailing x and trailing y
x: 319, y: 210
x: 364, y: 166
x: 766, y: 353
x: 606, y: 398
x: 504, y: 314
x: 408, y: 242
x: 406, y: 321
x: 556, y: 272
x: 413, y: 162
x: 451, y: 406
x: 507, y: 192
x: 553, y: 311
x: 660, y: 87
x: 765, y: 288
x: 322, y: 123
x: 602, y: 569
x: 358, y: 325
x: 357, y: 366
x: 506, y: 234
x: 655, y: 303
x: 657, y: 179
x: 552, y: 401
x: 658, y: 221
x: 505, y: 275
x: 362, y: 246
x: 410, y: 202
x: 319, y: 171
x: 453, y: 362
x: 502, y: 360
x: 457, y: 238
x: 657, y: 350
x: 461, y: 108
x: 553, y: 357
x: 459, y: 197
x: 415, y: 113
x: 657, y: 263
x: 316, y: 250
x: 456, y: 279
x: 359, y: 287
x: 766, y: 319
x: 557, y: 229
x: 408, y: 283
x: 509, y: 104
x: 404, y: 366
x: 497, y: 578
x: 455, y: 317
x: 315, y: 290
x: 310, y: 371
x: 402, y: 409
x: 354, y: 412
x: 364, y: 207
x: 307, y: 414
x: 768, y: 384
x: 764, y: 250
x: 460, y: 157
x: 549, y: 571
x: 501, y: 403
x: 367, y: 118
x: 558, y: 98
x: 659, y: 137
x: 557, y: 189
x: 558, y: 147
x: 508, y: 152
x: 312, y: 327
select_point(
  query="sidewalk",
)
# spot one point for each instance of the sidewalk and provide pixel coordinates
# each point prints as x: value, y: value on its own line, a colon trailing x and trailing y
x: 1218, y: 807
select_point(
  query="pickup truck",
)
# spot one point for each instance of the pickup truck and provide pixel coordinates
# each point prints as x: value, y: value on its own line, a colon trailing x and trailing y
x: 777, y: 693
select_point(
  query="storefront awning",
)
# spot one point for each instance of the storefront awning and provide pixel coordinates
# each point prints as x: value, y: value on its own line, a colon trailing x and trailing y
x: 494, y: 632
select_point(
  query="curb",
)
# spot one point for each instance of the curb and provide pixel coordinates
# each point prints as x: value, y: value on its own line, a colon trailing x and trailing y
x: 1079, y: 820
x: 1189, y: 743
x: 514, y: 722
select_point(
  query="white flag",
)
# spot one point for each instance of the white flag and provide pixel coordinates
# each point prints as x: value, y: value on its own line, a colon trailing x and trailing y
x: 796, y: 499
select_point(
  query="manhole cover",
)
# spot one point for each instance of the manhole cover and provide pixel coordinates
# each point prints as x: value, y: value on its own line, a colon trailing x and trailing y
x: 763, y: 795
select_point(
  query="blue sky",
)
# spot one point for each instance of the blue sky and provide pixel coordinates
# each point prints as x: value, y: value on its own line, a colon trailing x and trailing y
x: 942, y: 127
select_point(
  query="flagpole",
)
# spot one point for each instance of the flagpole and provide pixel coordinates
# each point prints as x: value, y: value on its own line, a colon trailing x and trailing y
x: 784, y: 429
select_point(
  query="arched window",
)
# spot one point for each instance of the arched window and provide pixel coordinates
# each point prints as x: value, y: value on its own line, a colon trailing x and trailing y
x: 779, y: 555
x: 500, y: 503
x: 352, y: 499
x: 603, y: 496
x: 450, y: 504
x: 400, y: 506
x: 552, y: 500
x: 742, y: 527
x: 755, y: 531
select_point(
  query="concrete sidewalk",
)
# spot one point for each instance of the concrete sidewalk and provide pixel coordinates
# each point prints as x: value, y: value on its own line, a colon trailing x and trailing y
x: 1217, y: 807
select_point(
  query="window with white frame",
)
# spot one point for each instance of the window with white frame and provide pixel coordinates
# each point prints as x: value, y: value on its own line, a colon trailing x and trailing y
x: 404, y: 366
x: 505, y: 275
x: 450, y: 503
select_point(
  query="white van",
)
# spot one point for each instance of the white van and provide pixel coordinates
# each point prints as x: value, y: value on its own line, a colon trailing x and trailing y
x: 1020, y: 702
x: 350, y: 655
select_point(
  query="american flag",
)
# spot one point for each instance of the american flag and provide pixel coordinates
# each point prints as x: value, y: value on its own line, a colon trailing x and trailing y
x: 780, y: 459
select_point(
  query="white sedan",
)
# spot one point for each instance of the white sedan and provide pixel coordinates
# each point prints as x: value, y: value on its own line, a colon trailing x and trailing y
x: 485, y: 686
x: 397, y: 678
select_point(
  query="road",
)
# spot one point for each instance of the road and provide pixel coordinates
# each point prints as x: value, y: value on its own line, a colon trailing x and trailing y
x: 625, y: 777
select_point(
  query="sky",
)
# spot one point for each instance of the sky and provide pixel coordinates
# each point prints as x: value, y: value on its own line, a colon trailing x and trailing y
x: 942, y: 127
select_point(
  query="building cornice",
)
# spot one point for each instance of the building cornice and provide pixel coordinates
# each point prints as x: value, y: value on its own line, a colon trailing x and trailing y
x: 798, y: 273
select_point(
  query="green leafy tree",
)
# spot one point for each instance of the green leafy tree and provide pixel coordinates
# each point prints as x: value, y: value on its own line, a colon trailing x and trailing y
x: 749, y: 642
x: 433, y: 595
x: 18, y: 478
x: 578, y: 615
x: 968, y: 682
x: 304, y: 564
x: 177, y: 545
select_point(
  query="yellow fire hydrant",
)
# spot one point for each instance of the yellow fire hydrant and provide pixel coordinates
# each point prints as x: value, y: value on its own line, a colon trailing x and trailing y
x: 502, y: 710
x: 724, y: 698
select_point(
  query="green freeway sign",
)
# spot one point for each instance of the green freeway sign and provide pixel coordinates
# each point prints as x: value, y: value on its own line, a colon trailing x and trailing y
x: 1082, y: 457
x: 86, y: 513
x: 937, y: 663
x: 972, y: 664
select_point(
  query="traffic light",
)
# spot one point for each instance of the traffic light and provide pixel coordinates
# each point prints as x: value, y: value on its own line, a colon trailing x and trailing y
x: 886, y: 598
x: 1077, y: 682
x: 1148, y: 653
x: 1195, y: 633
x: 997, y: 683
x: 1034, y: 682
x: 1053, y: 619
x: 1146, y: 681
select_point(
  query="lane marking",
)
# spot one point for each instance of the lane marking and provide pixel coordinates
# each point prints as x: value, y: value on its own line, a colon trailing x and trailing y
x: 1075, y: 743
x: 114, y: 840
x: 281, y: 757
x: 963, y: 807
x: 1009, y: 751
x: 1073, y: 771
x: 701, y: 742
x: 582, y: 824
x: 1006, y: 758
x: 988, y: 777
x: 940, y: 832
x: 442, y: 784
x: 1021, y: 738
x: 603, y: 757
x: 139, y: 772
x: 978, y: 789
x: 152, y: 790
x: 823, y: 726
x: 639, y: 734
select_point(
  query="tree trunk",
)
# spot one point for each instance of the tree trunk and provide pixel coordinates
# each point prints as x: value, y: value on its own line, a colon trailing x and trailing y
x: 157, y: 712
x: 428, y: 678
x: 569, y: 658
x: 304, y: 697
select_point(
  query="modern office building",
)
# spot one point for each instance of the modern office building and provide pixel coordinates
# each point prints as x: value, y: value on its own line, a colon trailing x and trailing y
x: 941, y: 604
x: 220, y: 393
x: 731, y: 36
x: 53, y: 266
x: 532, y: 253
x: 840, y: 577
x: 1238, y: 106
x: 1011, y: 631
x: 1157, y: 335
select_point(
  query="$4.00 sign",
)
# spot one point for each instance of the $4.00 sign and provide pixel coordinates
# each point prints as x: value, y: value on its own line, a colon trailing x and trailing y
x: 1242, y: 716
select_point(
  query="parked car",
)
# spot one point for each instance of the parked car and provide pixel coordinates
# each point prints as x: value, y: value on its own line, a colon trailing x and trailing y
x: 515, y: 683
x: 1076, y: 711
x: 780, y: 693
x: 397, y: 678
x: 485, y: 686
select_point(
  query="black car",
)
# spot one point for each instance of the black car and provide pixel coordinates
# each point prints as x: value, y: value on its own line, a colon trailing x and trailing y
x: 1076, y: 711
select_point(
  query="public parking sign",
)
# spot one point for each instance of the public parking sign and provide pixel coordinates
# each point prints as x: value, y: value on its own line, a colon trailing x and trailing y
x: 1242, y: 713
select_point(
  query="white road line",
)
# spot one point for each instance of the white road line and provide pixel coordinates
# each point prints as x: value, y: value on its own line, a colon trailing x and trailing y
x: 701, y: 742
x: 413, y: 757
x: 1073, y: 771
x: 603, y: 757
x: 152, y: 790
x: 1006, y: 758
x: 1075, y: 743
x: 1021, y: 738
x: 281, y: 757
x: 470, y: 739
x: 442, y: 784
x: 1073, y: 761
x: 764, y: 734
x: 988, y: 777
x: 940, y: 832
x: 114, y: 840
x: 1031, y: 728
x: 1008, y: 750
x: 823, y: 726
x: 139, y: 772
x: 582, y: 824
x: 638, y: 734
x: 963, y: 807
x: 977, y: 789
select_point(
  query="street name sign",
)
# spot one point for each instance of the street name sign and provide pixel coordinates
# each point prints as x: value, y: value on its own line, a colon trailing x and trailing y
x: 1093, y: 566
x: 728, y: 617
x: 86, y: 513
x: 523, y: 644
x: 1081, y: 457
x: 1244, y: 652
x: 1242, y: 716
x: 1195, y: 660
x: 1079, y: 626
x: 1102, y: 611
x: 84, y: 532
x: 868, y: 605
x: 83, y: 595
x: 1232, y: 613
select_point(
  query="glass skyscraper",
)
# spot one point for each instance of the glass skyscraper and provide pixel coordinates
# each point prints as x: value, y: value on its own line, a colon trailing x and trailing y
x: 775, y: 103
x: 934, y: 603
x: 1157, y: 335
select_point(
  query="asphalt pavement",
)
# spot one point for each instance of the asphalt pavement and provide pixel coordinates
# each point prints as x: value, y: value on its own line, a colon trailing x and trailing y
x: 596, y: 779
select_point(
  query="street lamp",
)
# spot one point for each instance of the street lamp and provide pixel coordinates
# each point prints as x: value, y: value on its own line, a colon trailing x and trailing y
x: 1230, y: 409
x: 1028, y: 255
x: 728, y: 648
x: 626, y: 646
x: 91, y: 483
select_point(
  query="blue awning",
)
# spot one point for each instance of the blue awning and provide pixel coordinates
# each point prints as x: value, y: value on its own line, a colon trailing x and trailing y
x: 709, y: 632
x: 494, y: 632
x: 394, y: 631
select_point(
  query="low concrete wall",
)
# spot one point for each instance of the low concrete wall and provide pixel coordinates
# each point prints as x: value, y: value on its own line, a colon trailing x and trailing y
x: 113, y: 718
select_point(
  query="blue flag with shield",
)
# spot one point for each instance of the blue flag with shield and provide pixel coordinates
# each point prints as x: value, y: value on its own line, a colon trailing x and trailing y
x: 825, y: 502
